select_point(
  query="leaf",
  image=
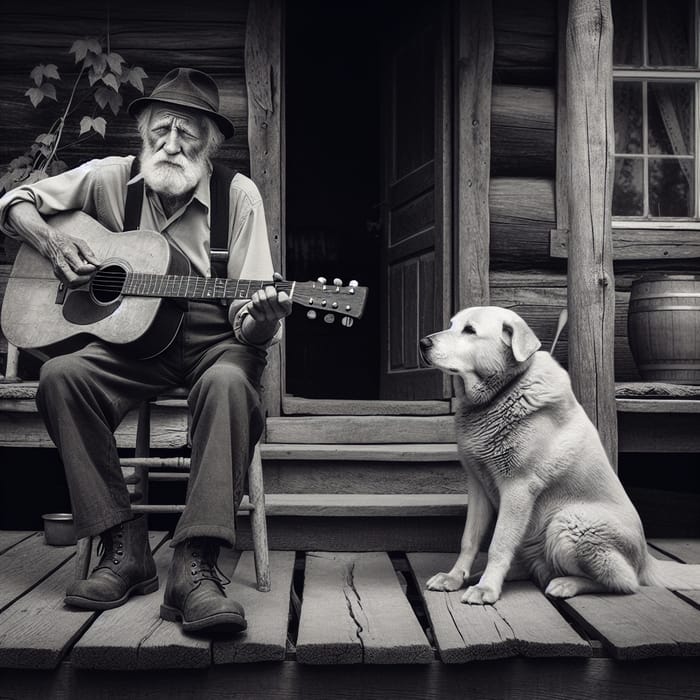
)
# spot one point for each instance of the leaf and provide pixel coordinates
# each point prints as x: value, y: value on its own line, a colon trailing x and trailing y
x: 37, y: 74
x: 136, y: 76
x: 49, y: 91
x: 111, y: 81
x: 102, y: 96
x: 106, y: 96
x: 46, y: 139
x: 20, y: 161
x: 88, y: 123
x: 99, y: 124
x: 115, y: 102
x: 92, y: 77
x: 115, y: 62
x: 51, y: 71
x: 81, y: 47
x: 35, y: 95
x: 97, y: 62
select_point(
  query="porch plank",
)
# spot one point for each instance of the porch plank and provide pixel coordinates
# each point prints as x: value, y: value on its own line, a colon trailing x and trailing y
x: 267, y: 613
x: 134, y: 637
x: 354, y: 611
x: 522, y: 623
x: 361, y: 429
x: 652, y: 622
x: 9, y: 538
x: 26, y: 564
x: 37, y: 629
x: 687, y: 551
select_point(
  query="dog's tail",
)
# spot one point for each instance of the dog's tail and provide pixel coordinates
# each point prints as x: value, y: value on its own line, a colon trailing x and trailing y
x: 670, y: 574
x: 563, y: 318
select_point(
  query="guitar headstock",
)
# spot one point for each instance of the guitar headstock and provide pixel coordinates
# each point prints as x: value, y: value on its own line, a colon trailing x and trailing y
x: 320, y: 297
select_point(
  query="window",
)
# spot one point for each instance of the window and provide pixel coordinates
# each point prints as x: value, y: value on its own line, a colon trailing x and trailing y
x: 656, y: 93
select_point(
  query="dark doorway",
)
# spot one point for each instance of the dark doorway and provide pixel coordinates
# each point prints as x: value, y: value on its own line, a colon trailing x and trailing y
x: 333, y: 151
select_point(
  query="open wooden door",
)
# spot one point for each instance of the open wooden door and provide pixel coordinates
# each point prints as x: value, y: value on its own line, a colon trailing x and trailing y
x: 416, y: 231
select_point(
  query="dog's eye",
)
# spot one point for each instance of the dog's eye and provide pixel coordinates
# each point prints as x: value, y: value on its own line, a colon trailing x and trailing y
x: 469, y: 329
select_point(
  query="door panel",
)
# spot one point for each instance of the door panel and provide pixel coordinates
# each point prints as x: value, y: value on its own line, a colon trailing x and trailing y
x: 415, y: 212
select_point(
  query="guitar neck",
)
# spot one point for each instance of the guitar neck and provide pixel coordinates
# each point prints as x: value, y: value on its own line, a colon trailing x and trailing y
x: 196, y: 288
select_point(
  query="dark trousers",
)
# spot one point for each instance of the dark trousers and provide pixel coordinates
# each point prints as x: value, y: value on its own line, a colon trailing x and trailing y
x: 83, y: 397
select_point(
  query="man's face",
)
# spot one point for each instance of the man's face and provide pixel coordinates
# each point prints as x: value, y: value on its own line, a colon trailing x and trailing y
x: 175, y: 151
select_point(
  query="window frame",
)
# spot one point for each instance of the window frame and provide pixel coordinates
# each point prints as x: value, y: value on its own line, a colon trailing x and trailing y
x: 683, y: 74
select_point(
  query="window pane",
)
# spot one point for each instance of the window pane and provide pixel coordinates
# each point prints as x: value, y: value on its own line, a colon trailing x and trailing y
x: 627, y: 100
x: 670, y: 187
x: 671, y: 37
x: 627, y: 38
x: 628, y: 196
x: 671, y: 118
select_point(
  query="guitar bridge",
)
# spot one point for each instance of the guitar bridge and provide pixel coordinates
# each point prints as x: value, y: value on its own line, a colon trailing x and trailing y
x: 61, y: 293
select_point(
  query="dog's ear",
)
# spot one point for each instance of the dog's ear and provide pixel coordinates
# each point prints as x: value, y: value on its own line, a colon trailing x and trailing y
x: 522, y: 340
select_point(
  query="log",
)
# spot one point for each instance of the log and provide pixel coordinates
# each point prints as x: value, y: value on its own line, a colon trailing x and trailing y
x: 590, y: 270
x: 522, y: 215
x: 525, y: 42
x: 522, y: 131
x: 474, y: 70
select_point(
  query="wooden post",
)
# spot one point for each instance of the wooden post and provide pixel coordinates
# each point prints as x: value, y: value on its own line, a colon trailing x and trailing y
x: 264, y: 81
x: 474, y: 62
x: 590, y: 270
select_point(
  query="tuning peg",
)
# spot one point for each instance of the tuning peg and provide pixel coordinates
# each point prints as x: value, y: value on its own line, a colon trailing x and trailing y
x: 311, y: 314
x: 338, y: 282
x: 353, y: 283
x: 347, y: 321
x: 329, y: 318
x: 322, y: 280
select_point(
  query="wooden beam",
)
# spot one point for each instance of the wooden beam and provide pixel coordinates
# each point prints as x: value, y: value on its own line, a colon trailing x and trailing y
x: 590, y: 271
x: 474, y: 68
x: 264, y: 82
x: 638, y: 244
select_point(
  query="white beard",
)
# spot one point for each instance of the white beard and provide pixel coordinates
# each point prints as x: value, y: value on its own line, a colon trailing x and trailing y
x: 172, y: 177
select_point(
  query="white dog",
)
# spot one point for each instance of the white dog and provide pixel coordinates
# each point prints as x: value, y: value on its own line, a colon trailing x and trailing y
x: 535, y: 460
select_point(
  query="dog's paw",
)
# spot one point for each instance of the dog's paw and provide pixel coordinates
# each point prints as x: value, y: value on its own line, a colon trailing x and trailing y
x: 563, y: 587
x: 445, y: 582
x: 480, y: 595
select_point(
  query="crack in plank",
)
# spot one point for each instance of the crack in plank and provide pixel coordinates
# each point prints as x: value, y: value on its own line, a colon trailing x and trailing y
x: 350, y: 581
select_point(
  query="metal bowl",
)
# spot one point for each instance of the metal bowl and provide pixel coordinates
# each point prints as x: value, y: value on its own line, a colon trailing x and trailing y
x: 59, y: 529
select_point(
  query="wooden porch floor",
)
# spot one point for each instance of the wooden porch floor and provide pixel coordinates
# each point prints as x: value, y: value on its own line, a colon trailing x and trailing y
x: 337, y: 624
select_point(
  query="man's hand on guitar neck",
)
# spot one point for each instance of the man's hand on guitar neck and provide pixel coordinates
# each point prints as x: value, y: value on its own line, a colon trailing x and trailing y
x: 267, y: 307
x: 71, y: 258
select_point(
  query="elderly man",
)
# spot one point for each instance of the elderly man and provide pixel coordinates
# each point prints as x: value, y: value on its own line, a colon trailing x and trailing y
x: 218, y: 353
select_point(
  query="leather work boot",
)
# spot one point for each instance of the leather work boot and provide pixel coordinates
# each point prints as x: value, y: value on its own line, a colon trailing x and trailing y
x: 195, y: 593
x: 126, y: 568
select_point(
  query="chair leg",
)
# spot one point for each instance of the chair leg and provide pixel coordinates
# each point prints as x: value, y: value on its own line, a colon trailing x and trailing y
x: 258, y: 522
x: 83, y: 552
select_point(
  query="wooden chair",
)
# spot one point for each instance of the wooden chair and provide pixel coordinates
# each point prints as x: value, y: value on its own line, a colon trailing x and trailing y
x: 137, y: 473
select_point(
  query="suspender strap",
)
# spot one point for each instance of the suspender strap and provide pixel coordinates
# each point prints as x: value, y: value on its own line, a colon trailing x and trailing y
x: 219, y: 188
x: 134, y: 200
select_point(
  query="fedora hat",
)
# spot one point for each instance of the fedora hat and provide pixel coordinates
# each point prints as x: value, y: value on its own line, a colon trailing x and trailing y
x: 190, y: 88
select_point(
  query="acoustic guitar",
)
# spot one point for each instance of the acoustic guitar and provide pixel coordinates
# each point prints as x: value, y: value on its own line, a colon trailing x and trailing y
x: 131, y: 300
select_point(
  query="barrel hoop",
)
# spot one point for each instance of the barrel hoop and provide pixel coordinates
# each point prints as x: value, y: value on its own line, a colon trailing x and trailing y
x: 664, y: 308
x: 666, y: 295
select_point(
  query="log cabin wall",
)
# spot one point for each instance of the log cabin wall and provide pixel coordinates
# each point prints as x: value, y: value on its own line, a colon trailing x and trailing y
x: 154, y: 35
x: 525, y: 275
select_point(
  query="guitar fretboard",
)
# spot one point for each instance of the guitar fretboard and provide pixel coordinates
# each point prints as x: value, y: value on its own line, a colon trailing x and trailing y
x: 191, y: 287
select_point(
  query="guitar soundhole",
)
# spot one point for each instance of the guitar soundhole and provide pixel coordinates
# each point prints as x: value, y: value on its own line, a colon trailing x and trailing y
x: 107, y: 284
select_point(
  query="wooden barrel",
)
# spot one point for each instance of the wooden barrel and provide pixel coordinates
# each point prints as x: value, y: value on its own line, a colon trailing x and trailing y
x: 663, y: 326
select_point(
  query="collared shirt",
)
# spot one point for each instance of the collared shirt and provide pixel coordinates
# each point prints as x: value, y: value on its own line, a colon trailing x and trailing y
x: 99, y: 187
